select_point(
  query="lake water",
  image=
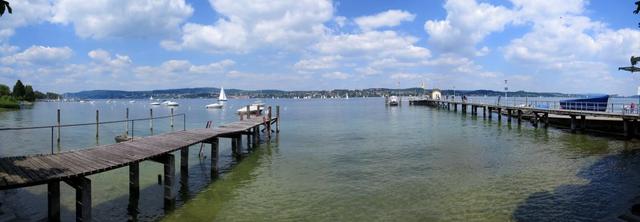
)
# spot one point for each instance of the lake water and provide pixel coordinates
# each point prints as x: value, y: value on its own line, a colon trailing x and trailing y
x: 348, y: 160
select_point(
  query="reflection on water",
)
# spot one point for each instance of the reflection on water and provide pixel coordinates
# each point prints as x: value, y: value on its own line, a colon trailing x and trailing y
x: 355, y: 160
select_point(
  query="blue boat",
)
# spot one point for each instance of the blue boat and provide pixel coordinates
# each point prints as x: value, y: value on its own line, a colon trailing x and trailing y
x: 598, y: 104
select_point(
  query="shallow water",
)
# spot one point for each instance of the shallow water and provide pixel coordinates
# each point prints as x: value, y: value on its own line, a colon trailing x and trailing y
x: 354, y: 160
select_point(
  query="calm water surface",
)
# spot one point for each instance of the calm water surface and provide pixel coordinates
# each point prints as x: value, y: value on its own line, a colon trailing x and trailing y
x: 349, y: 160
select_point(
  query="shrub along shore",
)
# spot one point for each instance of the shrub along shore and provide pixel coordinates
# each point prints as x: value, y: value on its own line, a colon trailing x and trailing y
x: 11, y: 99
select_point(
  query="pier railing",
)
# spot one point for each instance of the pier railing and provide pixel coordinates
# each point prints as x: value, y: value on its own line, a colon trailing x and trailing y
x: 128, y: 123
x: 609, y: 107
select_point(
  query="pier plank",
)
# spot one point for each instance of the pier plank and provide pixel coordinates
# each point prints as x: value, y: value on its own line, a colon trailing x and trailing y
x: 22, y: 171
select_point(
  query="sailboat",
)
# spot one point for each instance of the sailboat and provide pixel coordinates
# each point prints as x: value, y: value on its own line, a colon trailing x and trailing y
x: 222, y: 96
x: 221, y: 100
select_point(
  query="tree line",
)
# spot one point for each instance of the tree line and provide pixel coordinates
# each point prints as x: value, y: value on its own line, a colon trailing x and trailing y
x: 25, y: 92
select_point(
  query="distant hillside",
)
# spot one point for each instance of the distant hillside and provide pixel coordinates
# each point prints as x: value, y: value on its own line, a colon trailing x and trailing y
x: 207, y: 92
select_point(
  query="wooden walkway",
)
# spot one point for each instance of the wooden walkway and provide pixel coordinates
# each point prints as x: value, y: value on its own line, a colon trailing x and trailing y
x: 538, y: 115
x: 72, y: 167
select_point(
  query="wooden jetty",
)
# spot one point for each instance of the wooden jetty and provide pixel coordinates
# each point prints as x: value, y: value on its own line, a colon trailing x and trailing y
x: 536, y: 115
x: 73, y: 167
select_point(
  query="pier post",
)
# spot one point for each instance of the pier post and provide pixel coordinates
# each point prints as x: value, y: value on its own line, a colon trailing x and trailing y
x: 583, y: 123
x: 464, y: 108
x: 499, y: 114
x: 256, y: 136
x: 126, y: 123
x: 248, y: 111
x: 171, y: 117
x: 628, y: 129
x: 214, y: 157
x: 535, y: 119
x: 97, y: 123
x: 278, y: 119
x: 235, y: 146
x: 455, y: 107
x: 484, y: 111
x: 151, y: 119
x: 509, y: 115
x: 134, y: 188
x: 53, y: 201
x: 573, y: 123
x: 169, y: 175
x: 269, y: 124
x: 58, y: 126
x: 184, y: 166
x: 546, y: 120
x: 490, y: 110
x: 519, y: 116
x: 82, y: 186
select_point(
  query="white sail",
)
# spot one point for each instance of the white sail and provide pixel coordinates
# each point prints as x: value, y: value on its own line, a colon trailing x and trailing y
x: 222, y: 96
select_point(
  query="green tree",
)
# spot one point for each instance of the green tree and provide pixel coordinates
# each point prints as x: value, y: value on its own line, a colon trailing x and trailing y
x: 29, y: 95
x: 18, y: 90
x: 4, y: 5
x: 40, y: 95
x: 4, y: 90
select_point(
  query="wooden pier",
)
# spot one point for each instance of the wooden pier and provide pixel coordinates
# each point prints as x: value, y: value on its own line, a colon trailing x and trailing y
x: 537, y: 116
x: 73, y: 167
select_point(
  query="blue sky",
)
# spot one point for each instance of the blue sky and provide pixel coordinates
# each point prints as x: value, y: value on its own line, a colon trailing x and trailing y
x: 562, y: 46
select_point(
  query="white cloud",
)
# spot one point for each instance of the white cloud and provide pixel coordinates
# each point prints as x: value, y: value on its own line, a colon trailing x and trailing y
x: 39, y: 55
x: 336, y: 75
x: 373, y: 44
x: 406, y: 76
x: 388, y: 18
x: 25, y: 12
x: 325, y: 62
x: 245, y: 25
x: 467, y: 24
x: 122, y: 18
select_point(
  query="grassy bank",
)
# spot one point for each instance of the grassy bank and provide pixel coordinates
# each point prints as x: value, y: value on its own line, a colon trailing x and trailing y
x: 8, y: 102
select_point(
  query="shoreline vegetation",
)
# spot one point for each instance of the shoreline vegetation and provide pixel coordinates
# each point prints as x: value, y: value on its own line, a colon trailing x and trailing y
x: 21, y: 95
x: 209, y: 92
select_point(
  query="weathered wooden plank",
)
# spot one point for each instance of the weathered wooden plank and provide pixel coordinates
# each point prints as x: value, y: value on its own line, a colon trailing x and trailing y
x: 25, y: 167
x: 14, y: 176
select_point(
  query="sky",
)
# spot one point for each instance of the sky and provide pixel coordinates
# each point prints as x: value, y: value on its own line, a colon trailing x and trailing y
x: 570, y: 46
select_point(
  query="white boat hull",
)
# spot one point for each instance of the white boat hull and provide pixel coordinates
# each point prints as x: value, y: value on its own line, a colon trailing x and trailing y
x: 214, y: 106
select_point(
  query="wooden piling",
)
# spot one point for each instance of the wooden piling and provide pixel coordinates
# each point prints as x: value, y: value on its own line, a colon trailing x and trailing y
x: 134, y: 180
x: 97, y: 123
x: 171, y: 117
x: 58, y: 126
x: 546, y: 120
x: 82, y: 186
x: 234, y: 147
x: 499, y: 114
x: 214, y: 157
x: 126, y: 124
x: 277, y: 118
x: 583, y: 122
x: 169, y: 175
x: 490, y: 112
x: 269, y: 124
x: 573, y: 123
x: 256, y: 136
x: 184, y: 166
x: 151, y: 119
x: 53, y: 201
x: 628, y: 129
x: 248, y: 111
x: 519, y: 117
x: 509, y: 115
x: 484, y: 111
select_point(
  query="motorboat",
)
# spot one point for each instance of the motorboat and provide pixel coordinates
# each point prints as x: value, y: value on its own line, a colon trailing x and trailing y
x: 394, y: 101
x: 172, y: 103
x: 215, y: 106
x: 155, y: 103
x: 253, y: 108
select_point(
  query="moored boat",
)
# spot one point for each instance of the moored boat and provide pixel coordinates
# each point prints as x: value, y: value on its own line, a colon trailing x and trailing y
x: 394, y: 101
x: 598, y: 104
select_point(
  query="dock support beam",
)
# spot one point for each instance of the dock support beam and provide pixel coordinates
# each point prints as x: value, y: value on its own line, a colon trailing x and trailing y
x: 214, y: 157
x: 489, y: 110
x: 583, y: 123
x: 546, y: 120
x: 499, y: 114
x: 236, y: 144
x: 53, y: 199
x: 184, y: 166
x: 509, y: 115
x: 256, y: 136
x: 519, y: 117
x: 83, y: 197
x: 573, y: 123
x: 455, y: 107
x: 628, y: 128
x: 168, y: 161
x: 134, y: 188
x: 484, y: 111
